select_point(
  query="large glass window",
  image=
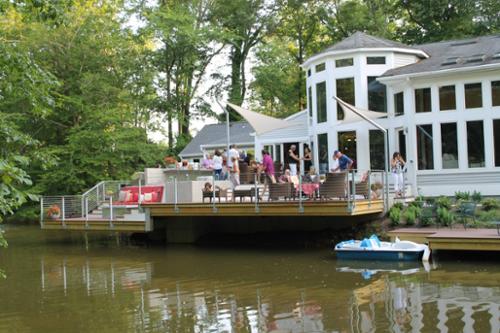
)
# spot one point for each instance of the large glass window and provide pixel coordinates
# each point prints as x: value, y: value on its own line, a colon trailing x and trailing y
x: 323, y: 153
x: 321, y: 102
x: 277, y: 150
x: 449, y: 146
x: 377, y: 154
x: 425, y: 150
x: 375, y: 60
x: 345, y: 91
x: 320, y: 67
x: 473, y: 95
x: 495, y: 93
x: 496, y: 136
x: 447, y: 98
x: 475, y: 144
x: 347, y: 144
x: 310, y: 100
x: 399, y: 104
x: 343, y: 62
x: 376, y: 95
x: 423, y: 100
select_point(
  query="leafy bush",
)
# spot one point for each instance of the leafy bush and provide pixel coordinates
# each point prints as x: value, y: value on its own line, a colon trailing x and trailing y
x: 462, y: 196
x: 443, y: 202
x: 395, y: 216
x: 430, y: 200
x: 488, y: 216
x: 411, y: 214
x: 476, y: 196
x: 444, y: 216
x: 418, y: 202
x: 490, y: 204
x: 398, y: 205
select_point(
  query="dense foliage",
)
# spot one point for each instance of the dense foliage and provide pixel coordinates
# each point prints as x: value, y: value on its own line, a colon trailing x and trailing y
x: 83, y: 82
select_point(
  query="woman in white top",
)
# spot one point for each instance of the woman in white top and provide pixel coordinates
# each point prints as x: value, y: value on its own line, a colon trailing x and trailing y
x: 217, y: 164
x: 397, y: 165
x: 235, y: 172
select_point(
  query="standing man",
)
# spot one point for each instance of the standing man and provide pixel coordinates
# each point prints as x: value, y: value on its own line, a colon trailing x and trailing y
x: 344, y: 162
x: 233, y: 152
x: 293, y: 159
x: 268, y: 168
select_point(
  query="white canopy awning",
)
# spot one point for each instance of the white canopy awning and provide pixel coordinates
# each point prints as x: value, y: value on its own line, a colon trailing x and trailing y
x: 353, y: 114
x: 260, y: 122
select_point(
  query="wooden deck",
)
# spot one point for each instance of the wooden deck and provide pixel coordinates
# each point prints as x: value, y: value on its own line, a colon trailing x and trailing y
x: 451, y: 239
x: 80, y: 224
x: 282, y: 208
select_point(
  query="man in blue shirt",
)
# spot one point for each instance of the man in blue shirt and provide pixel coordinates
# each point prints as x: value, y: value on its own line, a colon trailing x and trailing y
x: 345, y: 163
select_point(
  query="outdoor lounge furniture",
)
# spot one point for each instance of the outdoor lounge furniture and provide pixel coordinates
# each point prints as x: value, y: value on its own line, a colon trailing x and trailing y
x: 129, y: 195
x: 466, y: 211
x: 210, y: 194
x: 362, y: 188
x: 334, y: 186
x: 246, y: 191
x: 281, y: 190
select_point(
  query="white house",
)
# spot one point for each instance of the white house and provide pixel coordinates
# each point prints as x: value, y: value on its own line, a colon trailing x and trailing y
x: 442, y: 102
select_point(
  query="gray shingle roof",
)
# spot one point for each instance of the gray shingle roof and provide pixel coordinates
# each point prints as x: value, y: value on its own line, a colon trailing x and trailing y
x: 360, y: 40
x: 215, y: 134
x: 454, y: 54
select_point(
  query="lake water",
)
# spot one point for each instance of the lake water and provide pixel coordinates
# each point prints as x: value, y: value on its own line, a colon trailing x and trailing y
x: 58, y: 283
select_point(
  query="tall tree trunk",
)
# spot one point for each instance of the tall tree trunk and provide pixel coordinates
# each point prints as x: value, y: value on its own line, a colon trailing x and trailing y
x: 235, y: 90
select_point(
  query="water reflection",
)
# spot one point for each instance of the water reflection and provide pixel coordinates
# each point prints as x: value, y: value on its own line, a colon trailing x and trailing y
x: 61, y: 288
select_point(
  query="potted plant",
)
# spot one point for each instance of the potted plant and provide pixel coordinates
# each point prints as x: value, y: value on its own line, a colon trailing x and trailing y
x: 54, y: 212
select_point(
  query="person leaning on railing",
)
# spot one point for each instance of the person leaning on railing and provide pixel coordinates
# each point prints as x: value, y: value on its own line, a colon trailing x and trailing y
x: 344, y: 162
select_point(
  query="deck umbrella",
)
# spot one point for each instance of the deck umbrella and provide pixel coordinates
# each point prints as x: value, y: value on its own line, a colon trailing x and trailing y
x: 354, y: 114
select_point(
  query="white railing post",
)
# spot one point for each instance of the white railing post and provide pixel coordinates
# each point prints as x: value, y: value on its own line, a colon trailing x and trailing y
x: 111, y: 212
x: 83, y: 206
x: 97, y: 195
x: 176, y: 209
x: 349, y: 203
x: 213, y: 193
x: 41, y: 212
x: 140, y: 189
x: 256, y: 192
x: 301, y: 204
x: 369, y: 183
x: 63, y: 211
x: 353, y: 190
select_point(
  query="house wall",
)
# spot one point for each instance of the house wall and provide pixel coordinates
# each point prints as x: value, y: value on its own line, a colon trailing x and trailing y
x: 438, y: 181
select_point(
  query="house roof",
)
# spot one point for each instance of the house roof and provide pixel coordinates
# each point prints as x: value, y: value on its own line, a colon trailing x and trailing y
x: 363, y: 41
x: 446, y: 55
x: 215, y: 134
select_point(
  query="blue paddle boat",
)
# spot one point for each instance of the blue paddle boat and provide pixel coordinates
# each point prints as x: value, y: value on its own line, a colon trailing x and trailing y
x: 373, y: 249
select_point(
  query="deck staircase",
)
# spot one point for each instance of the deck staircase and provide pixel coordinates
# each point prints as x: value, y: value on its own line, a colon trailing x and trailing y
x: 93, y: 210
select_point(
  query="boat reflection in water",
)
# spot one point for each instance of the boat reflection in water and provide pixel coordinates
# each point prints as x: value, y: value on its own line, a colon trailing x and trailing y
x: 385, y: 296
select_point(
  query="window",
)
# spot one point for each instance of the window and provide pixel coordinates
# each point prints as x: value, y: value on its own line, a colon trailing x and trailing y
x: 423, y: 100
x: 310, y: 101
x: 425, y: 150
x: 376, y: 95
x: 399, y: 104
x: 345, y: 91
x: 321, y: 102
x: 343, y: 62
x: 375, y: 60
x: 309, y: 72
x: 495, y: 93
x: 447, y: 98
x: 320, y: 67
x: 449, y: 146
x: 496, y: 140
x: 347, y: 144
x: 475, y: 144
x: 473, y: 96
x: 377, y: 153
x: 277, y: 150
x: 323, y: 153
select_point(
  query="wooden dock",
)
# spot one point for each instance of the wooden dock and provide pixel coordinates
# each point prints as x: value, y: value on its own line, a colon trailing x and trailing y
x: 451, y: 239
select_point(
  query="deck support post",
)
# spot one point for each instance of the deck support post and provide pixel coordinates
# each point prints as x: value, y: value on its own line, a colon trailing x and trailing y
x: 63, y: 211
x: 111, y: 226
x: 41, y: 211
x: 301, y: 205
x: 256, y: 189
x: 86, y: 212
x: 214, y: 209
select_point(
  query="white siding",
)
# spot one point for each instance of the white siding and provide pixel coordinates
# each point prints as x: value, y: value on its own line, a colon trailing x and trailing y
x: 401, y: 59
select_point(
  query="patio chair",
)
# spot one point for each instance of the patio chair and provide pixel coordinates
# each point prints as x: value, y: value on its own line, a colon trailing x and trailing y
x: 428, y: 214
x: 467, y: 211
x: 210, y: 194
x: 362, y: 188
x: 334, y: 186
x: 245, y: 192
x: 278, y: 190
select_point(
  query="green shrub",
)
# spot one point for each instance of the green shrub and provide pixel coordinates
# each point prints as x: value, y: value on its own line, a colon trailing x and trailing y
x: 444, y: 216
x: 488, y: 216
x: 410, y: 215
x: 462, y: 196
x: 398, y: 205
x: 490, y: 204
x: 418, y: 202
x: 430, y: 200
x: 476, y: 196
x: 443, y: 202
x: 395, y: 216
